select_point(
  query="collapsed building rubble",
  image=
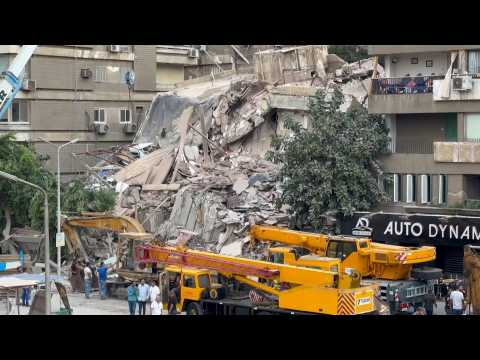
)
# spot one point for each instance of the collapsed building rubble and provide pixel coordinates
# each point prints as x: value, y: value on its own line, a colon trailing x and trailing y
x: 197, y: 162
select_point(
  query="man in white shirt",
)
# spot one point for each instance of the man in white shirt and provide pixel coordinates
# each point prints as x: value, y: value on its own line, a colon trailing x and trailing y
x: 87, y: 278
x: 154, y: 291
x: 156, y: 306
x: 143, y: 296
x: 456, y: 302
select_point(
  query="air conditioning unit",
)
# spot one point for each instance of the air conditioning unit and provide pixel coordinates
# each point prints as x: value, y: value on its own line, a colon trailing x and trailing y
x: 85, y: 73
x: 114, y: 48
x: 462, y: 83
x: 194, y: 53
x: 101, y: 128
x: 29, y: 85
x: 130, y: 128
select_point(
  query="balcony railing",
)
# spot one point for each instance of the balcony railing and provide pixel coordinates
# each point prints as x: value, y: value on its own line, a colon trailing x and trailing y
x: 404, y: 85
x: 414, y: 146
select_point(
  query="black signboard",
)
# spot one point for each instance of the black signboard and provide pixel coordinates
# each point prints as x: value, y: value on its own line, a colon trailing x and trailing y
x: 417, y: 229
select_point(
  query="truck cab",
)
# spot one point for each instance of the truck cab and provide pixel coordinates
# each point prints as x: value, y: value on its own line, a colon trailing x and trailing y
x: 191, y: 284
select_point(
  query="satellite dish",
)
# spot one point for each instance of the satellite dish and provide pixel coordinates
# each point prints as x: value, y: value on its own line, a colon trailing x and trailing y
x: 130, y: 78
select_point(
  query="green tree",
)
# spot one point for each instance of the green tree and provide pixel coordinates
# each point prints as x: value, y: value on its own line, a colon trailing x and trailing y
x: 21, y: 205
x: 349, y: 53
x: 78, y: 198
x: 331, y: 166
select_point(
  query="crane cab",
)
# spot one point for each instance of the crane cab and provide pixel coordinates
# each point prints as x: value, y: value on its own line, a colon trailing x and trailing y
x: 351, y: 252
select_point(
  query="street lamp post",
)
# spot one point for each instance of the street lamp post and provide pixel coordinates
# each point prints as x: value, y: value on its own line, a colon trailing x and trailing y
x: 59, y: 213
x: 47, y: 240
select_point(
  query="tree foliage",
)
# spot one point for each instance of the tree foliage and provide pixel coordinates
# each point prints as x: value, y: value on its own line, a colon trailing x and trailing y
x: 349, y: 53
x: 328, y: 168
x: 78, y: 198
x: 27, y: 204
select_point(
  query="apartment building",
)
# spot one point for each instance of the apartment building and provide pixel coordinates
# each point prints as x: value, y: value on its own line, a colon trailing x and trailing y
x: 81, y: 91
x: 431, y: 97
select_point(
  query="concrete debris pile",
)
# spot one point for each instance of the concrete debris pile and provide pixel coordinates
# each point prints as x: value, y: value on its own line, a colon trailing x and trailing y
x: 199, y: 155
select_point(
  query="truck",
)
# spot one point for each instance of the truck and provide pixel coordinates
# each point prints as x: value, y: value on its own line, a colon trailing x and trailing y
x: 390, y: 268
x: 210, y: 283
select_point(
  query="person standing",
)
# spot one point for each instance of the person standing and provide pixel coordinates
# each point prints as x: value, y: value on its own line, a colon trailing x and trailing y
x: 457, y: 302
x: 154, y: 292
x: 173, y: 300
x: 156, y: 306
x: 132, y: 292
x: 143, y: 296
x: 102, y: 278
x: 430, y: 301
x: 26, y: 296
x: 87, y: 278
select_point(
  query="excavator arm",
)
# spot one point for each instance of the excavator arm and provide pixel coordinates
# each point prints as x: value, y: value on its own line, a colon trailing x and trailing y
x: 119, y: 224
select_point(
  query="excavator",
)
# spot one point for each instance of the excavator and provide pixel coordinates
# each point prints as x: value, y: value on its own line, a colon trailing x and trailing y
x: 210, y: 283
x: 120, y: 225
x: 389, y: 267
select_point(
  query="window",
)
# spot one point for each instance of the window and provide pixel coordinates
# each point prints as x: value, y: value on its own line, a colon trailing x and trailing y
x: 203, y: 281
x: 188, y: 281
x: 411, y: 188
x: 16, y: 113
x: 442, y: 189
x: 397, y: 188
x: 426, y: 189
x: 363, y: 245
x: 474, y: 61
x: 348, y: 248
x: 277, y: 258
x: 99, y: 116
x: 388, y: 186
x: 111, y: 74
x: 472, y: 126
x: 124, y: 116
x: 332, y: 249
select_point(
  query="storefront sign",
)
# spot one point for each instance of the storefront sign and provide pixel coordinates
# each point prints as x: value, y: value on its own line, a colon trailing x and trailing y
x: 416, y: 228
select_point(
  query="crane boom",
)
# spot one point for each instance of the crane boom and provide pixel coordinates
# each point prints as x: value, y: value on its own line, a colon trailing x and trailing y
x: 306, y: 289
x: 10, y: 81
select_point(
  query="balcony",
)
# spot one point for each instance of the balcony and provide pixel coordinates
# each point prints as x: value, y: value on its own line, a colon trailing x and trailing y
x: 404, y: 85
x: 457, y: 152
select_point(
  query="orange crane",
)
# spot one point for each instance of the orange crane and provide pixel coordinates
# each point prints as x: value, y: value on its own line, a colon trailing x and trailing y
x: 371, y: 259
x: 294, y: 289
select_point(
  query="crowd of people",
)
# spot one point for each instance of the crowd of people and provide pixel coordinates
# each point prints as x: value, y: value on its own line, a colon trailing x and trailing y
x: 145, y: 296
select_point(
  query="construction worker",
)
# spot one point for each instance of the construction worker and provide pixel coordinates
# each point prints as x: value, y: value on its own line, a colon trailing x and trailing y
x: 102, y: 278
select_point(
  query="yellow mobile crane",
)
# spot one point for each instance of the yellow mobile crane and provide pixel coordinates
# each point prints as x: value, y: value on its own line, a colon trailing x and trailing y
x: 390, y: 267
x: 300, y: 290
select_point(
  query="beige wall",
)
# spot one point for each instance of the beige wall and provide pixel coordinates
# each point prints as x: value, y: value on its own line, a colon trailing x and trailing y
x: 417, y: 103
x: 406, y: 49
x: 403, y: 65
x: 168, y: 74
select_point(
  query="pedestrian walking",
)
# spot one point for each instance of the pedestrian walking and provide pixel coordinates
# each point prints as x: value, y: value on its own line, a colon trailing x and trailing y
x: 87, y: 278
x: 102, y: 278
x: 156, y: 306
x: 143, y: 296
x: 430, y: 302
x: 132, y: 292
x: 457, y: 302
x: 26, y: 296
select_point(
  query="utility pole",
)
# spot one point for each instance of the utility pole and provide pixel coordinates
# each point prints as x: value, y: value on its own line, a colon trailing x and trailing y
x: 59, y: 212
x: 47, y: 239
